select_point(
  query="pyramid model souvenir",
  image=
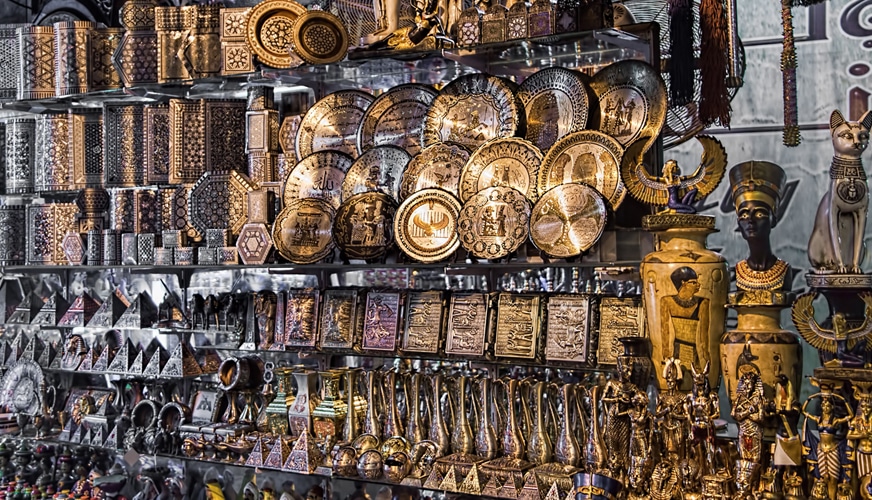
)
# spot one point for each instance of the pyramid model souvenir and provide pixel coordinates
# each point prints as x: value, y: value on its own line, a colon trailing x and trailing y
x: 142, y: 313
x: 450, y: 481
x: 97, y: 437
x: 530, y: 491
x: 123, y: 358
x: 46, y: 357
x: 11, y: 296
x: 277, y: 455
x: 90, y: 358
x: 16, y: 347
x: 102, y: 362
x: 509, y: 489
x: 434, y: 480
x: 209, y: 360
x: 110, y: 311
x: 305, y: 456
x: 85, y: 436
x: 52, y: 310
x: 33, y: 349
x: 112, y: 439
x: 472, y: 484
x: 80, y: 312
x: 66, y: 432
x: 492, y: 488
x: 136, y: 366
x: 553, y: 492
x: 156, y: 363
x: 77, y: 435
x: 26, y: 310
x: 57, y: 357
x: 182, y: 363
x: 256, y: 457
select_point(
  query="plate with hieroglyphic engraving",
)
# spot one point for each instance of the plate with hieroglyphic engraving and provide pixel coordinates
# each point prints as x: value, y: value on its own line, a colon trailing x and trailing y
x: 381, y: 321
x: 467, y: 324
x: 590, y: 157
x: 518, y: 325
x: 377, y: 169
x: 396, y: 118
x: 505, y: 162
x: 319, y: 175
x: 568, y: 220
x: 494, y: 222
x: 332, y: 123
x: 301, y: 318
x: 437, y: 166
x: 557, y: 102
x: 424, y: 316
x: 303, y: 230
x: 569, y: 322
x: 426, y: 225
x: 364, y: 224
x: 338, y: 319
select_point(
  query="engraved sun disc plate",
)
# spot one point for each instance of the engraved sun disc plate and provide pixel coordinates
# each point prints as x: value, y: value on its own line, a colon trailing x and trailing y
x: 510, y: 162
x: 332, y: 123
x: 363, y: 225
x: 319, y: 175
x: 319, y: 37
x: 303, y: 231
x: 436, y: 166
x: 590, y: 157
x: 632, y: 101
x: 494, y: 222
x: 268, y: 28
x: 474, y: 109
x: 568, y: 220
x: 556, y: 102
x: 378, y: 169
x: 220, y: 201
x: 396, y: 118
x: 426, y: 225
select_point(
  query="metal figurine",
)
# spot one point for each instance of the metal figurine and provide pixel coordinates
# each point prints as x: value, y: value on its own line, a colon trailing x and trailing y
x: 748, y: 411
x: 826, y: 454
x: 836, y: 242
x: 672, y: 415
x: 618, y: 398
x: 788, y: 447
x: 704, y: 408
x: 843, y: 341
x: 641, y: 440
x: 860, y: 428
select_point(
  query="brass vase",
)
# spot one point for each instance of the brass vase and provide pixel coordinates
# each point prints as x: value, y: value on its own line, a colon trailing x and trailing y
x: 305, y: 402
x: 393, y: 421
x: 595, y: 455
x: 486, y: 444
x: 371, y: 424
x: 462, y: 437
x: 690, y: 283
x: 328, y: 418
x: 438, y: 430
x: 514, y: 444
x: 416, y: 431
x: 566, y: 450
x: 539, y: 448
x: 352, y: 420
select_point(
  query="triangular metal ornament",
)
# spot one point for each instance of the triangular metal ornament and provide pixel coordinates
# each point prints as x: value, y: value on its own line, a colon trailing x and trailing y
x: 90, y: 357
x: 209, y: 360
x: 256, y: 457
x: 182, y: 363
x: 277, y: 455
x: 472, y: 483
x: 570, y: 495
x: 102, y: 363
x: 111, y: 441
x: 109, y: 311
x: 66, y: 432
x: 156, y: 363
x: 530, y: 490
x: 121, y: 362
x: 27, y: 309
x: 16, y: 347
x: 305, y: 457
x: 52, y: 311
x: 97, y: 437
x: 142, y: 313
x: 46, y: 357
x: 492, y: 488
x: 33, y: 349
x: 80, y: 312
x: 434, y: 480
x: 136, y: 367
x: 11, y: 296
x: 450, y: 481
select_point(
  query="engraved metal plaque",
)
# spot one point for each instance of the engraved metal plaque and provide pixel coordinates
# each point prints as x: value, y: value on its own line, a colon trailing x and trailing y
x: 338, y: 319
x: 619, y: 317
x: 467, y: 324
x: 301, y: 318
x: 423, y: 328
x: 518, y: 325
x: 568, y: 336
x: 381, y: 321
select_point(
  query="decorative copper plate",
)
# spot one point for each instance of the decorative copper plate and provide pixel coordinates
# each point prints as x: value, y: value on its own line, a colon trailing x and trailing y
x: 510, y: 162
x: 378, y: 169
x: 494, y: 222
x: 303, y: 231
x: 426, y: 225
x: 518, y: 325
x: 396, y: 118
x: 220, y: 201
x: 632, y: 102
x: 319, y: 175
x: 332, y: 123
x: 269, y: 28
x: 590, y: 157
x: 319, y: 37
x: 568, y: 220
x: 556, y: 102
x: 474, y: 109
x: 437, y: 166
x: 363, y: 225
x: 466, y: 333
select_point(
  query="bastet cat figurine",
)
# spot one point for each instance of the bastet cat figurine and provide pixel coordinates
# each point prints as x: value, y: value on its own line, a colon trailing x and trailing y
x: 836, y: 243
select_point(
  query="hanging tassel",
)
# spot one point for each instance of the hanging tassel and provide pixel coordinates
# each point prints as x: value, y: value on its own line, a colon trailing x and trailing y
x: 791, y: 136
x: 681, y: 51
x: 714, y: 105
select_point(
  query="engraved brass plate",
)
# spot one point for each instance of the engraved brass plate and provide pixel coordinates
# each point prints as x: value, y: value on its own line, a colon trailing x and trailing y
x: 590, y: 157
x: 381, y: 321
x: 338, y: 319
x: 332, y: 123
x: 467, y: 324
x: 556, y: 102
x: 518, y: 325
x: 423, y: 328
x: 303, y: 231
x: 301, y: 318
x: 619, y: 317
x: 494, y: 222
x: 364, y: 224
x: 509, y: 162
x: 569, y: 322
x: 319, y: 37
x: 426, y: 225
x: 396, y: 118
x: 268, y: 29
x: 319, y: 175
x: 437, y: 166
x: 474, y: 109
x: 377, y: 169
x: 568, y: 220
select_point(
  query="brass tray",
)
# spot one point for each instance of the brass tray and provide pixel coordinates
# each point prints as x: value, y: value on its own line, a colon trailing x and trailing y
x: 378, y: 169
x: 220, y: 201
x: 303, y: 230
x: 319, y: 37
x: 268, y: 28
x: 557, y: 103
x: 426, y: 225
x: 436, y: 166
x: 590, y: 157
x: 632, y: 102
x: 494, y: 222
x: 319, y: 175
x: 363, y: 225
x: 396, y: 118
x: 510, y: 161
x: 568, y: 220
x: 332, y: 123
x: 474, y: 109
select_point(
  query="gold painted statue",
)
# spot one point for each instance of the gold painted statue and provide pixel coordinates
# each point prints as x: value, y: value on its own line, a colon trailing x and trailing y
x: 748, y: 410
x: 826, y: 453
x: 671, y: 412
x: 841, y: 339
x: 860, y: 429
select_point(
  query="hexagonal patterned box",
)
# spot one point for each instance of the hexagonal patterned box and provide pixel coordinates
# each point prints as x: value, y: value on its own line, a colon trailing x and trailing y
x: 254, y: 244
x: 74, y: 249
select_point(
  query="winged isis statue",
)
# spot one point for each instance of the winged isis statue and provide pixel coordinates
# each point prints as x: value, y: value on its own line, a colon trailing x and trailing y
x: 839, y: 340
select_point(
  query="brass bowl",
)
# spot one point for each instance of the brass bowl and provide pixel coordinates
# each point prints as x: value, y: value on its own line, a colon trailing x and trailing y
x: 369, y: 465
x: 397, y: 466
x: 364, y: 443
x: 345, y: 461
x: 393, y: 445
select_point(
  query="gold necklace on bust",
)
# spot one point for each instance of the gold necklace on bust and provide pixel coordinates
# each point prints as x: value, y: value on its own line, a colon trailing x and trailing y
x: 770, y: 279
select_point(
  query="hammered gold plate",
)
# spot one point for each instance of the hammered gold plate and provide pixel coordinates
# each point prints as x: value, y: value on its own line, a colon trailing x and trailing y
x: 506, y: 162
x: 303, y: 230
x: 332, y: 123
x: 556, y: 101
x: 426, y: 225
x: 319, y: 37
x: 436, y: 166
x: 568, y: 220
x: 396, y: 118
x: 268, y: 28
x: 319, y: 175
x: 377, y: 169
x: 494, y: 222
x: 590, y: 157
x: 364, y: 224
